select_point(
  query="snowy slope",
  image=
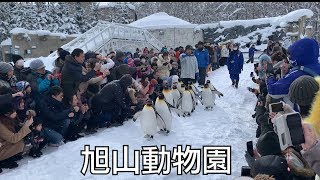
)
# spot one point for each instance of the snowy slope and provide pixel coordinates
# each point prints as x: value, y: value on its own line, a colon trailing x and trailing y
x: 230, y: 123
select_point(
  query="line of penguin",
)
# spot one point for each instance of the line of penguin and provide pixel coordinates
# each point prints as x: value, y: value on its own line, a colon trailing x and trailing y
x: 180, y: 99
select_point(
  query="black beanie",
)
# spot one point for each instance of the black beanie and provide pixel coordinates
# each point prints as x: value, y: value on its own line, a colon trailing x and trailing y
x: 16, y: 57
x: 268, y: 144
x: 276, y: 166
x: 303, y: 90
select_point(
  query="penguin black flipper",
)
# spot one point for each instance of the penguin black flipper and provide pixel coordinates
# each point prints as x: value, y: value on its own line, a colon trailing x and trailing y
x: 196, y: 89
x: 174, y: 108
x: 158, y: 115
x: 179, y: 102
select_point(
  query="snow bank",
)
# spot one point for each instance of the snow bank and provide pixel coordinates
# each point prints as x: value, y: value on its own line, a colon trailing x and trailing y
x: 6, y: 42
x: 273, y: 21
x: 114, y: 4
x: 161, y: 20
x: 43, y: 32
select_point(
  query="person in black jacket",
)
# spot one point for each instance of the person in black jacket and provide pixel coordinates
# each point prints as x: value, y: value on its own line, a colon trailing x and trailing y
x: 56, y: 116
x: 72, y: 74
x: 37, y: 138
x: 110, y: 101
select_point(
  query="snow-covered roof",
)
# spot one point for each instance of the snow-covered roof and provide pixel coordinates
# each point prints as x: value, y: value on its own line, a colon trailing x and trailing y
x: 274, y: 21
x: 40, y: 33
x: 114, y: 4
x: 6, y: 42
x: 161, y: 20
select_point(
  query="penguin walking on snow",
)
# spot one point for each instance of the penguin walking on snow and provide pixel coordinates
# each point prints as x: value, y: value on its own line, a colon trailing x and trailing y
x: 213, y: 89
x: 148, y: 120
x: 167, y: 92
x: 208, y: 97
x: 186, y: 102
x: 163, y: 114
x: 176, y: 95
x: 180, y: 86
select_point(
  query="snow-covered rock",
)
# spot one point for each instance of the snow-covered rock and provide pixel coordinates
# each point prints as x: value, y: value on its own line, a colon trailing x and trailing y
x: 43, y: 32
x: 19, y: 31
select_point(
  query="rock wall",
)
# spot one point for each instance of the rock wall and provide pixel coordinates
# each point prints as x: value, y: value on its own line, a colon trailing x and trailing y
x: 175, y: 37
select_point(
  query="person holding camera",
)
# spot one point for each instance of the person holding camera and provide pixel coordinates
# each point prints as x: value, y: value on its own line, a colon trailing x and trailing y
x: 11, y: 140
x: 304, y: 58
x: 164, y: 65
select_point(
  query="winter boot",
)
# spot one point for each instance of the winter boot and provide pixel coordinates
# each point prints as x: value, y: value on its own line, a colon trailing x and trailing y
x: 237, y: 82
x: 233, y: 82
x: 33, y: 153
x: 254, y: 115
x: 8, y: 164
x: 16, y: 157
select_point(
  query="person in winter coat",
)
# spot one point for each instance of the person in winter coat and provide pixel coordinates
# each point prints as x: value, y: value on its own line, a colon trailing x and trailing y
x: 137, y: 53
x: 252, y: 49
x: 40, y: 79
x: 311, y: 148
x: 119, y: 57
x: 59, y: 62
x: 56, y: 116
x: 189, y: 65
x: 72, y: 74
x: 25, y: 88
x: 18, y: 62
x: 202, y: 56
x: 164, y: 65
x: 11, y: 140
x: 224, y: 55
x: 117, y: 72
x: 37, y: 138
x: 264, y: 66
x: 78, y: 121
x: 235, y: 64
x: 7, y: 78
x: 110, y: 100
x: 304, y: 52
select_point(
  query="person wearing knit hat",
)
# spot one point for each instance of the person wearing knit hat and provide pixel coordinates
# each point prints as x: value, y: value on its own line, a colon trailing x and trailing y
x: 18, y: 66
x: 23, y: 85
x: 17, y: 60
x: 5, y: 68
x: 268, y: 144
x: 302, y: 92
x: 7, y: 78
x: 37, y: 64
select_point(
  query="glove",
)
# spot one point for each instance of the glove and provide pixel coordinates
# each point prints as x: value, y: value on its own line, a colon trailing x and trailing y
x: 197, y: 76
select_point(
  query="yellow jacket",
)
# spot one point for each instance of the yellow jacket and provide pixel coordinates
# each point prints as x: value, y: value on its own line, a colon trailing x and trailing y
x: 314, y: 116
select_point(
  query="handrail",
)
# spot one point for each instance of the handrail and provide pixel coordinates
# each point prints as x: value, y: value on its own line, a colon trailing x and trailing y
x: 99, y: 36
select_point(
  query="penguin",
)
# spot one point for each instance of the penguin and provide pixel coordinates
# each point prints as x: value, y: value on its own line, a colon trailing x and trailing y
x: 208, y: 97
x: 163, y: 115
x: 193, y: 95
x: 148, y: 120
x: 186, y: 102
x: 176, y: 95
x: 167, y: 92
x: 180, y: 86
x: 213, y: 89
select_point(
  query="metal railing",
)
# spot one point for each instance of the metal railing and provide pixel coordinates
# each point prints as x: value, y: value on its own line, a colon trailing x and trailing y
x: 99, y: 36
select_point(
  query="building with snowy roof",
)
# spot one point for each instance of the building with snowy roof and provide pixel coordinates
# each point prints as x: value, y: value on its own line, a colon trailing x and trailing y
x: 170, y: 30
x: 30, y: 44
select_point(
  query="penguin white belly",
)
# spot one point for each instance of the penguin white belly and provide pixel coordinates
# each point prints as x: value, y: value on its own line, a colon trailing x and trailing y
x: 187, y: 103
x: 169, y: 97
x: 148, y: 121
x: 176, y: 97
x: 208, y: 98
x: 165, y: 121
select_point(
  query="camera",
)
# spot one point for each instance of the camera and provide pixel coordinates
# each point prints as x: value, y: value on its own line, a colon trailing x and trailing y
x: 289, y: 130
x: 276, y: 107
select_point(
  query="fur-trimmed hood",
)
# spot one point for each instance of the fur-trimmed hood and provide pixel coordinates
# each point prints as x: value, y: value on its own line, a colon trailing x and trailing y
x: 314, y: 115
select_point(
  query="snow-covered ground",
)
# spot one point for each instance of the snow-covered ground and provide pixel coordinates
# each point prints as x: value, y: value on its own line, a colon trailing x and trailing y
x: 229, y: 123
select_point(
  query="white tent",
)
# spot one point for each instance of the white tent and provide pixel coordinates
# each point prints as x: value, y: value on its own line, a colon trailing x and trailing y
x: 161, y: 20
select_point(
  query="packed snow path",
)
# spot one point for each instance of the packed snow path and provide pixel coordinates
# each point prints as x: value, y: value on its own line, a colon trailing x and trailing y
x: 230, y: 123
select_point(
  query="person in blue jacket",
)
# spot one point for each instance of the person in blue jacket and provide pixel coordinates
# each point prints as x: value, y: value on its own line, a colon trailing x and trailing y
x: 235, y: 64
x: 252, y: 49
x: 202, y: 56
x: 303, y: 56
